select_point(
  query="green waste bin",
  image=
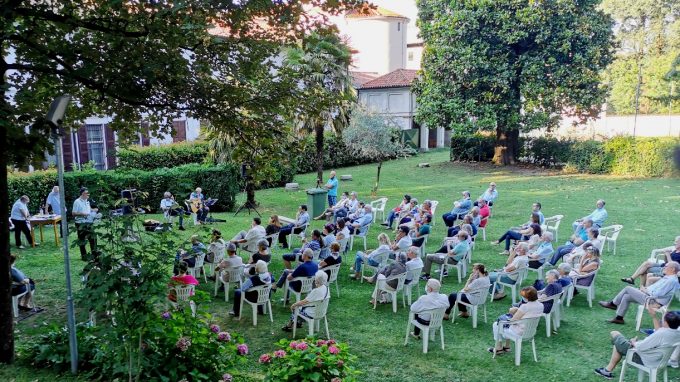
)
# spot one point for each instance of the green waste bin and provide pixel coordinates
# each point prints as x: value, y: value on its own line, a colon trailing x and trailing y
x: 316, y: 201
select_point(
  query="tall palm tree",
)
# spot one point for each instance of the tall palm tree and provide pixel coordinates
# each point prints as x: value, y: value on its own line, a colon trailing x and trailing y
x: 322, y: 63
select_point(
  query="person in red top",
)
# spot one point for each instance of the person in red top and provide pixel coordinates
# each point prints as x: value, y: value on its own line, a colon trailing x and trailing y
x: 181, y: 279
x: 484, y: 212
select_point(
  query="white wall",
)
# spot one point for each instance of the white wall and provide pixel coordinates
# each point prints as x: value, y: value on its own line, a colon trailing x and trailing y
x: 610, y: 126
x: 380, y: 42
x: 398, y: 103
x: 414, y: 56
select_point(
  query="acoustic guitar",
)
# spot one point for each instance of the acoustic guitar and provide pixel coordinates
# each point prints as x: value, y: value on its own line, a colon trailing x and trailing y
x: 196, y: 205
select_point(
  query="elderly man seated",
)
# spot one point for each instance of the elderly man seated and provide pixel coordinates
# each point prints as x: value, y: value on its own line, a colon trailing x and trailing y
x: 516, y: 261
x: 542, y: 252
x: 598, y: 216
x: 661, y: 292
x: 455, y: 255
x: 576, y: 240
x: 649, y: 351
x: 460, y: 209
x: 432, y: 299
x: 396, y: 268
x: 652, y: 267
x: 489, y: 196
x: 306, y: 269
x: 248, y: 240
x: 360, y: 225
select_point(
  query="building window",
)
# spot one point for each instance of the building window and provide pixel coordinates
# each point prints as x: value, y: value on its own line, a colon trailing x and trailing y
x: 410, y: 56
x: 398, y: 27
x: 95, y: 145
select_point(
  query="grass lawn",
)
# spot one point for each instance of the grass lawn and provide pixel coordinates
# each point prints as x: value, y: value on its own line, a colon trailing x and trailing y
x: 648, y: 209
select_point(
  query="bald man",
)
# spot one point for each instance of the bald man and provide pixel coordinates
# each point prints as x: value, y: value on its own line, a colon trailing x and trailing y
x: 332, y: 187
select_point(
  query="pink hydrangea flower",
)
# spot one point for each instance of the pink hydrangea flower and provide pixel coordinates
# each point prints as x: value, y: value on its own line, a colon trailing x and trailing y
x: 280, y: 353
x: 224, y: 336
x: 333, y: 350
x: 265, y: 358
x: 321, y: 342
x: 293, y: 344
x: 183, y: 343
x: 331, y: 342
x: 302, y: 346
x: 227, y: 377
x: 242, y: 349
x: 214, y: 328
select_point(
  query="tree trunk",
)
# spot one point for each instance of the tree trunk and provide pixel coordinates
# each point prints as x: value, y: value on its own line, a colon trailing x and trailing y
x: 507, y: 146
x: 6, y: 318
x: 318, y: 131
x: 377, y: 180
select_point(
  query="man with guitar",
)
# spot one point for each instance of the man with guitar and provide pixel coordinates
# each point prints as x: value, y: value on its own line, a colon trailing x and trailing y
x: 197, y: 204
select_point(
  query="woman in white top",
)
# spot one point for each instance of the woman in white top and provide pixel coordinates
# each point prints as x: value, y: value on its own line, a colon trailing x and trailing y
x: 503, y: 328
x: 319, y: 293
x: 373, y: 258
x: 216, y: 248
x: 473, y: 292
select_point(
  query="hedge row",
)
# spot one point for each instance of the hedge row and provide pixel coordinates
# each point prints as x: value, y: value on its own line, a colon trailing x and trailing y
x: 646, y: 157
x: 153, y: 157
x: 219, y: 182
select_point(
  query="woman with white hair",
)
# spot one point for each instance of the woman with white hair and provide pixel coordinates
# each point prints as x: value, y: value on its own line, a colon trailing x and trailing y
x: 261, y: 277
x: 372, y: 258
x: 171, y: 208
x: 319, y: 293
x: 432, y: 299
x: 553, y: 287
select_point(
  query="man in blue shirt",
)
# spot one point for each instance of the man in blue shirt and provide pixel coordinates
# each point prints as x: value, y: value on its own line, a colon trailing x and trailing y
x: 360, y: 225
x: 598, y: 216
x: 307, y: 268
x: 301, y: 221
x: 661, y: 291
x: 332, y: 187
x: 53, y: 203
x: 460, y: 209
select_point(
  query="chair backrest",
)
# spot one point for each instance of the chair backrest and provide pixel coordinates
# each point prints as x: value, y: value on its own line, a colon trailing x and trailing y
x: 183, y: 292
x: 320, y: 307
x: 379, y: 205
x: 530, y: 325
x: 414, y: 276
x: 235, y: 273
x: 435, y: 203
x: 343, y: 244
x: 200, y: 259
x: 480, y: 294
x: 553, y: 222
x: 316, y: 255
x: 401, y: 279
x: 274, y: 237
x: 554, y: 299
x: 612, y: 232
x: 436, y: 317
x: 659, y: 254
x: 334, y: 270
x: 363, y: 231
x: 307, y: 283
x: 262, y: 293
x: 592, y: 281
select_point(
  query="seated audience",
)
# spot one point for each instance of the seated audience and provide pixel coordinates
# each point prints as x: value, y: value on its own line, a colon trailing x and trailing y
x: 169, y: 207
x: 553, y: 287
x: 395, y: 269
x: 489, y: 196
x: 261, y: 254
x: 467, y: 221
x: 248, y: 240
x: 360, y: 225
x: 474, y: 291
x: 314, y: 245
x: 329, y: 212
x: 215, y: 248
x: 501, y: 328
x: 588, y: 263
x: 231, y: 261
x: 260, y: 277
x: 333, y: 258
x: 349, y: 207
x: 181, y: 279
x: 542, y: 252
x: 402, y: 241
x: 652, y: 267
x: 432, y: 299
x: 373, y: 258
x: 598, y: 216
x: 341, y: 230
x: 577, y: 240
x: 460, y: 209
x: 564, y: 279
x: 413, y: 262
x: 357, y: 214
x: 410, y: 212
x: 319, y: 293
x: 452, y: 257
x: 394, y: 213
x: 523, y: 234
x: 305, y: 269
x: 21, y: 284
x: 649, y: 352
x: 420, y: 229
x: 301, y: 221
x: 273, y: 227
x: 327, y: 238
x: 661, y: 291
x: 508, y: 273
x: 189, y: 257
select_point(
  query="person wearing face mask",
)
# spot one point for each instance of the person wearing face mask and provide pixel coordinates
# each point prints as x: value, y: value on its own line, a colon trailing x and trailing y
x: 432, y: 299
x: 248, y: 240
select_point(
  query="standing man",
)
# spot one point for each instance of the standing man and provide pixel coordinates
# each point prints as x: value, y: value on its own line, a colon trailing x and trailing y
x: 53, y: 202
x: 332, y: 187
x: 19, y: 218
x: 84, y: 215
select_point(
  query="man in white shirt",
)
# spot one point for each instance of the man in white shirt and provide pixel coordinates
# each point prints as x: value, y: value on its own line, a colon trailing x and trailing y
x: 19, y: 218
x: 82, y: 214
x: 171, y: 208
x: 649, y: 351
x: 413, y: 262
x: 429, y: 301
x: 402, y: 241
x: 248, y: 240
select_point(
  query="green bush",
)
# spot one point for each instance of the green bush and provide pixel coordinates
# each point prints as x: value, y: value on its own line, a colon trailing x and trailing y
x: 218, y: 182
x: 641, y: 156
x: 153, y: 157
x: 546, y: 152
x: 479, y: 148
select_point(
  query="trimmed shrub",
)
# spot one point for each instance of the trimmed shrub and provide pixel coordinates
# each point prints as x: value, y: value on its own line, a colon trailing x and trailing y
x: 478, y: 148
x: 641, y: 156
x: 546, y: 152
x: 153, y: 157
x: 219, y: 182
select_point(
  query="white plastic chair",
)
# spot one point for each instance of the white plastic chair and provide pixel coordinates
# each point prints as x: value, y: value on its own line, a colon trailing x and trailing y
x: 184, y: 293
x: 274, y: 240
x: 307, y: 285
x: 482, y: 293
x: 217, y: 258
x: 15, y: 301
x: 379, y: 206
x: 314, y: 323
x: 300, y: 235
x: 436, y: 318
x: 235, y: 277
x: 422, y: 246
x: 590, y: 289
x: 435, y: 203
x: 540, y: 269
x: 262, y: 299
x: 382, y: 286
x: 610, y: 234
x: 334, y: 270
x: 194, y: 216
x: 659, y: 255
x: 554, y: 315
x: 483, y: 229
x: 662, y: 310
x: 198, y: 267
x: 552, y: 224
x: 521, y: 275
x: 460, y: 266
x: 530, y: 325
x: 414, y: 274
x: 343, y: 244
x: 653, y: 372
x: 382, y: 263
x: 360, y: 235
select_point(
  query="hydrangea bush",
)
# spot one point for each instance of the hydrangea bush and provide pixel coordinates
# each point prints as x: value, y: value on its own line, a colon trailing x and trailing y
x: 309, y: 360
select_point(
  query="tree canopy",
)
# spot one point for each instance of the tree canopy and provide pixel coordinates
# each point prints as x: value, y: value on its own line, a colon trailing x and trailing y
x: 507, y: 65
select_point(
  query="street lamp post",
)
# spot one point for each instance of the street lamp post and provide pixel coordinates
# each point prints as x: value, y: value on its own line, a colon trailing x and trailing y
x: 54, y: 118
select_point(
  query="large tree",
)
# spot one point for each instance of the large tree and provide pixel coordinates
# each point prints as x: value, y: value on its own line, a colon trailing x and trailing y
x: 509, y: 65
x: 325, y: 94
x: 134, y: 61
